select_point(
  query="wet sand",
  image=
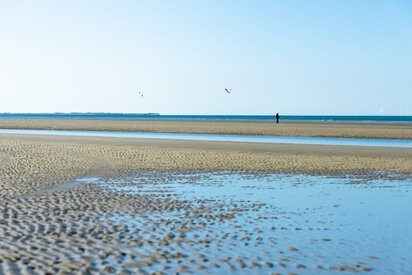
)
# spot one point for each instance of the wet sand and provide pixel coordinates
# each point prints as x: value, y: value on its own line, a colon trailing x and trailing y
x: 50, y: 223
x: 82, y: 155
x: 242, y: 222
x: 354, y: 130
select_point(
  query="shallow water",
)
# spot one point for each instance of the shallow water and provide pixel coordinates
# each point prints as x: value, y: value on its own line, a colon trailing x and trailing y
x: 232, y: 138
x: 259, y: 223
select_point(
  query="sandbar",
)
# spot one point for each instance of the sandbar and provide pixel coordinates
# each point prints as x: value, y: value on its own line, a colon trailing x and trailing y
x: 346, y: 130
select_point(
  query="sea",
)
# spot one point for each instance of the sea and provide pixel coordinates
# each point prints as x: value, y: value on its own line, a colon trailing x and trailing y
x: 228, y: 118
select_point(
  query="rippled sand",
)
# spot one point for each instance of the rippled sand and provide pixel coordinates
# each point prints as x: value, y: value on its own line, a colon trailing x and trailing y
x: 49, y: 223
x: 397, y: 131
x: 68, y: 157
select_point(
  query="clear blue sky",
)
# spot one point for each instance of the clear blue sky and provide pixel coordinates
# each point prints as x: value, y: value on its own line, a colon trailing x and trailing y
x: 292, y: 57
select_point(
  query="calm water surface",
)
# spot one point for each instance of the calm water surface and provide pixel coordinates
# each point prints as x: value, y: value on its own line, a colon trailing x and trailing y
x: 281, y: 222
x: 231, y: 138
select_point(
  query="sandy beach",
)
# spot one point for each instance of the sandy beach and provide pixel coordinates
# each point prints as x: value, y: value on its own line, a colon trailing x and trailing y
x: 83, y: 154
x: 205, y: 137
x: 52, y: 223
x: 348, y: 130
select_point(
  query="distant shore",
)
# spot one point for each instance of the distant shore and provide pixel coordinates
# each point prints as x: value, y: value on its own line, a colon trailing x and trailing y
x: 307, y: 129
x: 356, y: 119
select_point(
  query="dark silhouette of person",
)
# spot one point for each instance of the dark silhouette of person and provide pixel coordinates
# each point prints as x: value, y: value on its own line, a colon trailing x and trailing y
x: 277, y: 118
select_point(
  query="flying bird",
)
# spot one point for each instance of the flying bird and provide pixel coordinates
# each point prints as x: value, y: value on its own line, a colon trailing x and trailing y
x: 228, y: 90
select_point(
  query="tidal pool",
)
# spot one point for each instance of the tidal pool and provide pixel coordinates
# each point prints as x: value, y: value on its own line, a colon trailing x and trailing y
x: 258, y: 223
x: 398, y: 143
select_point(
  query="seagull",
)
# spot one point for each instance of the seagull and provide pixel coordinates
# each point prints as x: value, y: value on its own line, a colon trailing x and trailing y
x: 228, y: 91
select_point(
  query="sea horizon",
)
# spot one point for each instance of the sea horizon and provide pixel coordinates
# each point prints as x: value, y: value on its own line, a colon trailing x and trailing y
x: 213, y: 117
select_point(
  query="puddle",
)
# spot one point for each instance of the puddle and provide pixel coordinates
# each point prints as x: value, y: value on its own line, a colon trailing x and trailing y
x: 86, y: 180
x: 258, y: 223
x: 231, y: 138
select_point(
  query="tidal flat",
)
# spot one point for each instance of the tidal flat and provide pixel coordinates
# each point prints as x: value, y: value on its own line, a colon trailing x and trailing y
x: 250, y: 223
x: 240, y: 222
x: 381, y: 130
x: 104, y: 205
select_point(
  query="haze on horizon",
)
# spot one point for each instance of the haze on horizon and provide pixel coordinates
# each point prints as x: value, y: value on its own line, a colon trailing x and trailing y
x: 293, y: 57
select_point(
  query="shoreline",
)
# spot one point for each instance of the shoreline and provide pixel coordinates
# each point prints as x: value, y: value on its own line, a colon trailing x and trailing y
x: 199, y: 120
x: 337, y: 130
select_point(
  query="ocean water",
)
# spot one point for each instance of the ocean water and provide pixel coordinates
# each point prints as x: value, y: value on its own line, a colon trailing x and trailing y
x: 159, y: 117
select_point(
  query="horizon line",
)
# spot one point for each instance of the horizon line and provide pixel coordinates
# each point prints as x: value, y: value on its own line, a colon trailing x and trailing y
x: 159, y: 114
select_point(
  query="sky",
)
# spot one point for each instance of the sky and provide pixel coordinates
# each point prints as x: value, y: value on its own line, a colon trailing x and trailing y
x: 343, y: 57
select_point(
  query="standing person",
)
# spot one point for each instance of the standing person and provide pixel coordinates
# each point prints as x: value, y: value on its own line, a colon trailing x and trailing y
x: 277, y: 117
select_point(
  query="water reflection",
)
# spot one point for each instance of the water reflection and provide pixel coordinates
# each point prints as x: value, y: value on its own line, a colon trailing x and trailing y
x: 232, y: 138
x: 248, y: 222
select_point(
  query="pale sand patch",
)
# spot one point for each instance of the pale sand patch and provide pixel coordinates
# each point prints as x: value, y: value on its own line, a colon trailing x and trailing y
x: 394, y: 131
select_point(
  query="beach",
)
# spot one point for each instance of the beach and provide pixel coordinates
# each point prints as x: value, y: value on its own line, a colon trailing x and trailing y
x: 56, y: 218
x: 205, y: 137
x: 114, y: 153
